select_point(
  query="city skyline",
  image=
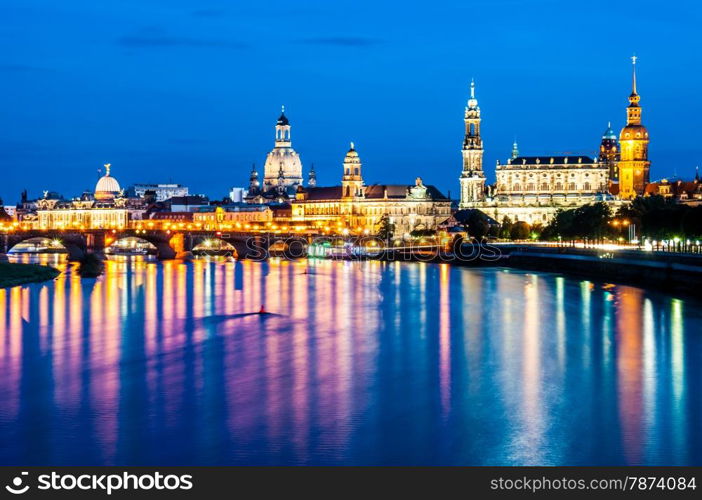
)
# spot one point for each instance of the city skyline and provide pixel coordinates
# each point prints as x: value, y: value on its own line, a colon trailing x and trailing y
x: 153, y: 128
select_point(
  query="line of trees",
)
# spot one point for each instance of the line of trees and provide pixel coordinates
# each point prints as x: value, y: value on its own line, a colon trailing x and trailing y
x: 654, y: 217
x: 478, y: 226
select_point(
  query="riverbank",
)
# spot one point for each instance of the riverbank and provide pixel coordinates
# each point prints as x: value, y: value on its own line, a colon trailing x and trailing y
x: 670, y: 272
x: 20, y: 274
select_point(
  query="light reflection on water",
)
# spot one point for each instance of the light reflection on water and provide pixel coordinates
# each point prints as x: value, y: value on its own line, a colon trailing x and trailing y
x: 362, y: 363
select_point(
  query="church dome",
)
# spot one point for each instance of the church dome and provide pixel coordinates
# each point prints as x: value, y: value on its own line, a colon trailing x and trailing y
x: 107, y: 187
x: 633, y: 131
x: 609, y: 133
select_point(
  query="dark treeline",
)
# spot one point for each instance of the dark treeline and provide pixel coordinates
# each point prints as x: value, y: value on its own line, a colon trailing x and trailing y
x: 654, y: 217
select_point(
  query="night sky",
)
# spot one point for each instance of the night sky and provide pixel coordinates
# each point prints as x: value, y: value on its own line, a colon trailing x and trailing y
x: 189, y: 91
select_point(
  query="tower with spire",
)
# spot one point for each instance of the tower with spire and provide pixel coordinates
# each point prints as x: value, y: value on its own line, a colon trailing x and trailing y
x: 472, y: 177
x: 282, y: 157
x: 312, y: 177
x: 633, y: 166
x: 609, y: 154
x: 254, y: 185
x: 352, y: 180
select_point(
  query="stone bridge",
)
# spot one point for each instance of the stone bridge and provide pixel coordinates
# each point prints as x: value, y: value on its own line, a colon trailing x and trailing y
x: 169, y: 244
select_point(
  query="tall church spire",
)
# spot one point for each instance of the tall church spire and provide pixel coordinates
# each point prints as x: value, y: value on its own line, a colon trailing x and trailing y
x: 472, y: 177
x: 633, y: 165
x: 633, y: 74
x: 312, y: 179
x: 633, y: 113
x: 253, y: 180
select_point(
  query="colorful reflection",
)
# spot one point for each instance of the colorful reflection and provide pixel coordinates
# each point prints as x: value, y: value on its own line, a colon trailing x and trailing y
x: 357, y: 363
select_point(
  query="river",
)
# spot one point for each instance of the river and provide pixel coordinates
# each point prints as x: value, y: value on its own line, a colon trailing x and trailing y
x: 358, y: 363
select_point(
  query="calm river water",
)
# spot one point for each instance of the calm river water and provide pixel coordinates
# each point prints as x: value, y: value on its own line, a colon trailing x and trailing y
x: 362, y: 363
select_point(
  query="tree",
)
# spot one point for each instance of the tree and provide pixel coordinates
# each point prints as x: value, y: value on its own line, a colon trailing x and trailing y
x: 536, y: 231
x: 386, y: 229
x: 692, y: 222
x: 505, y: 228
x: 588, y: 221
x: 520, y: 231
x: 478, y: 224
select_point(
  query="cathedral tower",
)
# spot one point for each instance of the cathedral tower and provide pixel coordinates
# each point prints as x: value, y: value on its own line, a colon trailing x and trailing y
x: 633, y: 165
x: 253, y: 181
x: 472, y: 178
x: 352, y: 181
x: 312, y: 177
x: 609, y: 153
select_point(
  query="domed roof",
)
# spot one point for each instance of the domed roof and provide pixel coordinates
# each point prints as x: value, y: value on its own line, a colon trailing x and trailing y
x: 609, y: 133
x: 633, y: 131
x: 352, y: 152
x: 107, y: 186
x: 283, y: 120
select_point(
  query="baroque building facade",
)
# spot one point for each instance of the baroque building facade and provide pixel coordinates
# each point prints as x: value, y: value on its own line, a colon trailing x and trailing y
x: 533, y: 188
x: 282, y: 172
x: 106, y: 208
x: 360, y: 208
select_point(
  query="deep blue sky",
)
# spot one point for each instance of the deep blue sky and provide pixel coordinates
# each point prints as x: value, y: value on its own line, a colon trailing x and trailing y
x: 190, y: 91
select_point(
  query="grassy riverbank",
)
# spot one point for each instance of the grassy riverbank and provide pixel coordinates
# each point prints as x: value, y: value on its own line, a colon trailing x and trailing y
x: 19, y: 274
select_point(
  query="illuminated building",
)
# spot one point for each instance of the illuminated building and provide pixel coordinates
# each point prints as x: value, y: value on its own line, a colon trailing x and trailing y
x: 227, y: 216
x: 162, y: 192
x: 533, y: 188
x: 682, y: 192
x: 472, y: 178
x: 360, y: 208
x: 237, y: 194
x: 633, y: 165
x: 189, y: 203
x: 107, y: 208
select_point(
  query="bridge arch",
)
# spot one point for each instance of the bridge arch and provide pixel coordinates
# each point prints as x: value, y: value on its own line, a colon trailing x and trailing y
x: 71, y: 244
x: 38, y: 244
x: 131, y: 245
x: 214, y: 246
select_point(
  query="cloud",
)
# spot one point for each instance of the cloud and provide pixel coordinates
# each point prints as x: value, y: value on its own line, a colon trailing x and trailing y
x: 158, y: 40
x: 342, y: 41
